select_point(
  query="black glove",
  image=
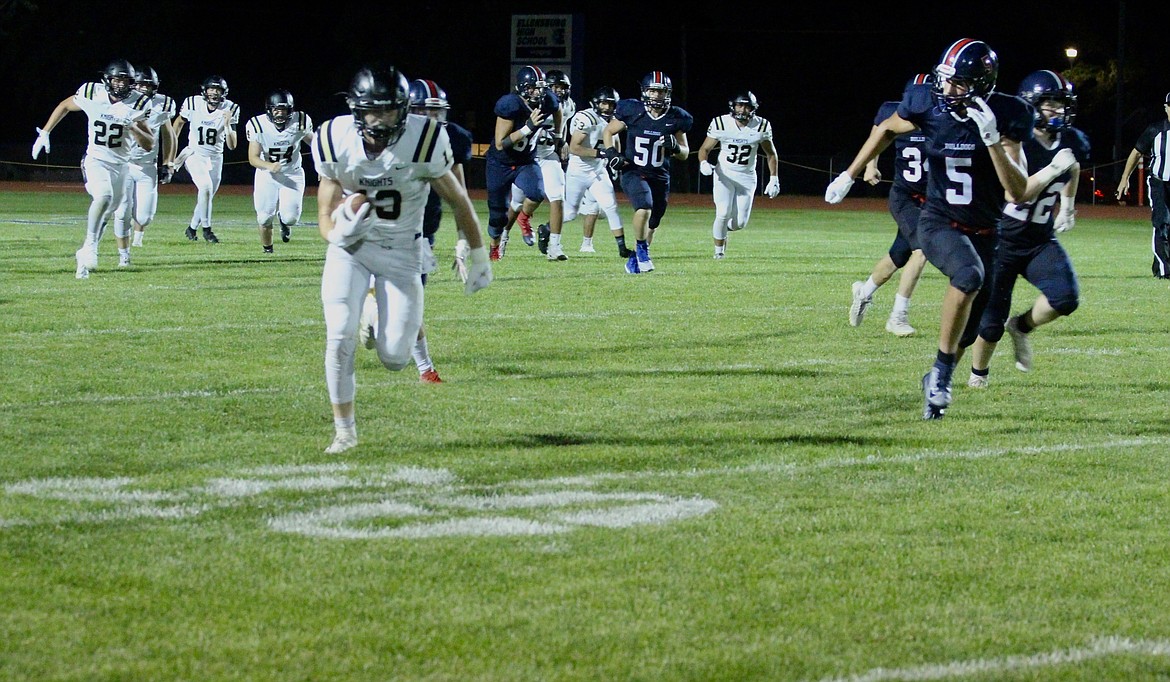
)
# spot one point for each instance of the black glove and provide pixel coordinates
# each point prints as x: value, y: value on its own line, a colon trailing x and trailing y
x: 165, y: 174
x: 669, y: 145
x: 616, y: 163
x: 608, y: 153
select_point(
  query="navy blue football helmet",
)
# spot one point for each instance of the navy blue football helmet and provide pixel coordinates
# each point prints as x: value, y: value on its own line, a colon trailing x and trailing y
x: 118, y: 77
x: 920, y: 79
x: 970, y: 64
x: 656, y: 90
x: 558, y: 82
x: 428, y: 99
x: 381, y: 91
x: 745, y: 98
x: 1050, y: 86
x: 146, y: 80
x: 604, y: 102
x: 214, y: 90
x: 531, y: 84
x: 280, y: 107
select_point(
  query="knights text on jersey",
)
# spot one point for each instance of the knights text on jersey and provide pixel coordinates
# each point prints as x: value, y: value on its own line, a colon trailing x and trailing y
x: 277, y: 144
x: 205, y: 132
x: 645, y: 134
x: 1033, y: 223
x: 963, y: 184
x: 909, y: 154
x: 739, y: 144
x: 110, y: 139
x: 396, y: 181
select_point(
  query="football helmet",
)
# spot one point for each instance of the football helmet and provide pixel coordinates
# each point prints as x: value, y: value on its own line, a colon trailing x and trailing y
x: 920, y: 79
x: 380, y: 91
x: 531, y: 84
x: 656, y: 90
x: 280, y: 107
x: 746, y: 98
x: 604, y: 102
x: 118, y: 77
x: 558, y: 82
x: 1050, y: 86
x: 146, y: 80
x: 214, y: 90
x: 969, y: 65
x: 428, y: 99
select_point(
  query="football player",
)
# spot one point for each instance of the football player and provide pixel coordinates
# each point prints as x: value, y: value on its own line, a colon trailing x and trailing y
x: 973, y: 149
x: 588, y: 187
x: 740, y: 134
x: 550, y: 155
x: 274, y: 150
x: 376, y: 168
x: 141, y: 200
x: 1027, y: 244
x: 520, y: 115
x: 117, y: 114
x: 655, y: 132
x: 213, y: 119
x: 907, y: 195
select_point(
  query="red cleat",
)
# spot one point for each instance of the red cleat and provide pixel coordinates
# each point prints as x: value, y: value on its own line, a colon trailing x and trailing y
x: 494, y: 253
x: 430, y: 377
x: 522, y: 219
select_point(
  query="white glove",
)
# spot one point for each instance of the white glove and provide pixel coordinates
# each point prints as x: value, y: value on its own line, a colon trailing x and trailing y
x: 479, y: 273
x: 839, y: 188
x: 1067, y: 218
x: 41, y: 143
x: 349, y: 226
x: 984, y: 117
x: 705, y: 167
x: 773, y: 188
x: 462, y: 251
x: 429, y: 264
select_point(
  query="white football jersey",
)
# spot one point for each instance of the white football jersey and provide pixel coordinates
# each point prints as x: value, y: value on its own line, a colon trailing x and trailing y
x: 280, y: 145
x: 205, y: 124
x: 739, y: 143
x: 109, y: 122
x: 396, y: 182
x: 545, y: 147
x: 590, y: 123
x: 162, y: 110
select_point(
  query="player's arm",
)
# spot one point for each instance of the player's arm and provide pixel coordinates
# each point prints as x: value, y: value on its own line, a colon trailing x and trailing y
x: 880, y: 137
x: 1131, y: 163
x: 457, y: 171
x: 679, y: 148
x: 451, y: 190
x: 872, y: 174
x: 59, y: 112
x: 1011, y: 169
x: 178, y: 124
x: 577, y: 146
x: 142, y: 134
x: 508, y: 136
x: 256, y: 159
x: 229, y: 131
x: 614, y: 127
x: 329, y: 194
x: 169, y: 142
x: 1063, y: 161
x: 709, y: 144
x: 769, y: 149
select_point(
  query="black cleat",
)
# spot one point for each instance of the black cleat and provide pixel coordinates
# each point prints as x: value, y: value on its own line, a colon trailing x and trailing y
x: 285, y: 233
x: 267, y: 249
x: 624, y: 252
x: 191, y: 235
x: 209, y: 236
x: 543, y: 233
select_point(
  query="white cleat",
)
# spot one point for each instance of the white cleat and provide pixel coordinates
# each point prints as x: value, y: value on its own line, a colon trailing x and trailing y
x: 123, y: 260
x: 556, y: 252
x: 859, y: 306
x: 898, y: 325
x: 82, y: 271
x: 976, y: 381
x: 342, y: 441
x: 587, y: 248
x: 369, y: 320
x: 1020, y: 344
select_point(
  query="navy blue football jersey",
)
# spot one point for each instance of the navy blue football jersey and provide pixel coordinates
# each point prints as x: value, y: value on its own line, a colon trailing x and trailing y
x: 909, y: 154
x: 645, y: 134
x: 513, y: 107
x: 460, y: 142
x: 962, y: 183
x: 1033, y: 222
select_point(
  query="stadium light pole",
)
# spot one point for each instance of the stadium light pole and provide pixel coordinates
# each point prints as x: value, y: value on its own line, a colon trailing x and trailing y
x: 1071, y: 52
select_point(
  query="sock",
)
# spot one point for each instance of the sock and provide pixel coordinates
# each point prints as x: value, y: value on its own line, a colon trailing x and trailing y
x: 868, y: 288
x: 137, y: 239
x: 945, y: 362
x: 981, y: 372
x: 901, y: 304
x: 587, y: 241
x: 554, y: 239
x: 123, y: 252
x: 621, y: 242
x: 1022, y: 323
x: 720, y: 249
x: 422, y: 355
x: 345, y: 425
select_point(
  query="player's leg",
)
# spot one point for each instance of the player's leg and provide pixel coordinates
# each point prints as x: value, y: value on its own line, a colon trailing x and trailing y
x: 641, y: 198
x: 499, y: 187
x: 723, y: 194
x: 1049, y: 270
x: 291, y: 203
x: 398, y: 290
x: 344, y: 283
x: 266, y: 201
x: 145, y: 201
x: 216, y: 174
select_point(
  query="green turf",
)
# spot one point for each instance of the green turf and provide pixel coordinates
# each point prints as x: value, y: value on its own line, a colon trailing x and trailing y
x: 701, y: 473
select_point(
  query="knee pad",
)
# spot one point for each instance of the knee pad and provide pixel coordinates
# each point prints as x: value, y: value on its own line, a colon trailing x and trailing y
x: 992, y: 332
x: 394, y: 362
x: 265, y: 219
x: 1065, y: 304
x: 969, y: 279
x: 900, y: 258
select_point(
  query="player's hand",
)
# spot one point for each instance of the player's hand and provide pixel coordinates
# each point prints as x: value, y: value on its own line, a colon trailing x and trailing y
x: 773, y: 188
x: 705, y: 167
x: 608, y: 153
x: 350, y: 226
x: 1067, y: 218
x: 839, y: 188
x: 669, y: 145
x: 165, y: 174
x: 984, y: 117
x: 616, y: 163
x: 42, y: 143
x: 462, y: 253
x: 479, y: 272
x: 872, y: 175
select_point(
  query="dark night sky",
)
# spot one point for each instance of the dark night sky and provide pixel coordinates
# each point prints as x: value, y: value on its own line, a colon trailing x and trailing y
x: 820, y: 70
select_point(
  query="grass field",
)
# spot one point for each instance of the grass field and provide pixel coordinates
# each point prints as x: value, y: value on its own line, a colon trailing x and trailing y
x: 698, y: 474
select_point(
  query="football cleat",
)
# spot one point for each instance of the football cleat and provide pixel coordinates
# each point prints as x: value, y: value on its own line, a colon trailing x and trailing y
x: 429, y: 377
x: 1020, y: 345
x: 632, y: 265
x: 522, y: 219
x: 82, y: 271
x: 209, y: 236
x: 123, y: 260
x: 268, y: 248
x: 342, y: 441
x: 898, y: 325
x: 859, y: 306
x: 192, y: 235
x: 587, y: 248
x: 543, y: 234
x: 642, y: 253
x: 503, y: 243
x: 89, y: 256
x: 556, y: 252
x: 977, y: 381
x: 285, y: 233
x: 494, y: 253
x: 937, y: 397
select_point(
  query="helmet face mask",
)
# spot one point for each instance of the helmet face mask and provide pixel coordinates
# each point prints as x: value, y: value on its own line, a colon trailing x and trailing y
x: 743, y: 106
x: 280, y: 107
x: 118, y: 77
x: 531, y: 84
x: 379, y: 99
x: 656, y: 92
x: 428, y: 99
x: 1053, y: 97
x: 214, y: 90
x: 558, y: 82
x: 968, y: 69
x: 146, y: 81
x: 604, y: 102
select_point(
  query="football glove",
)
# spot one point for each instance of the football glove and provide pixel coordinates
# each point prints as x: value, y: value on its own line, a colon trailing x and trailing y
x: 462, y: 252
x: 349, y: 226
x: 616, y: 163
x: 608, y: 153
x: 773, y: 188
x: 165, y: 173
x: 41, y: 143
x: 984, y: 118
x: 1067, y: 218
x: 705, y: 167
x: 479, y: 273
x: 669, y: 145
x: 839, y: 188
